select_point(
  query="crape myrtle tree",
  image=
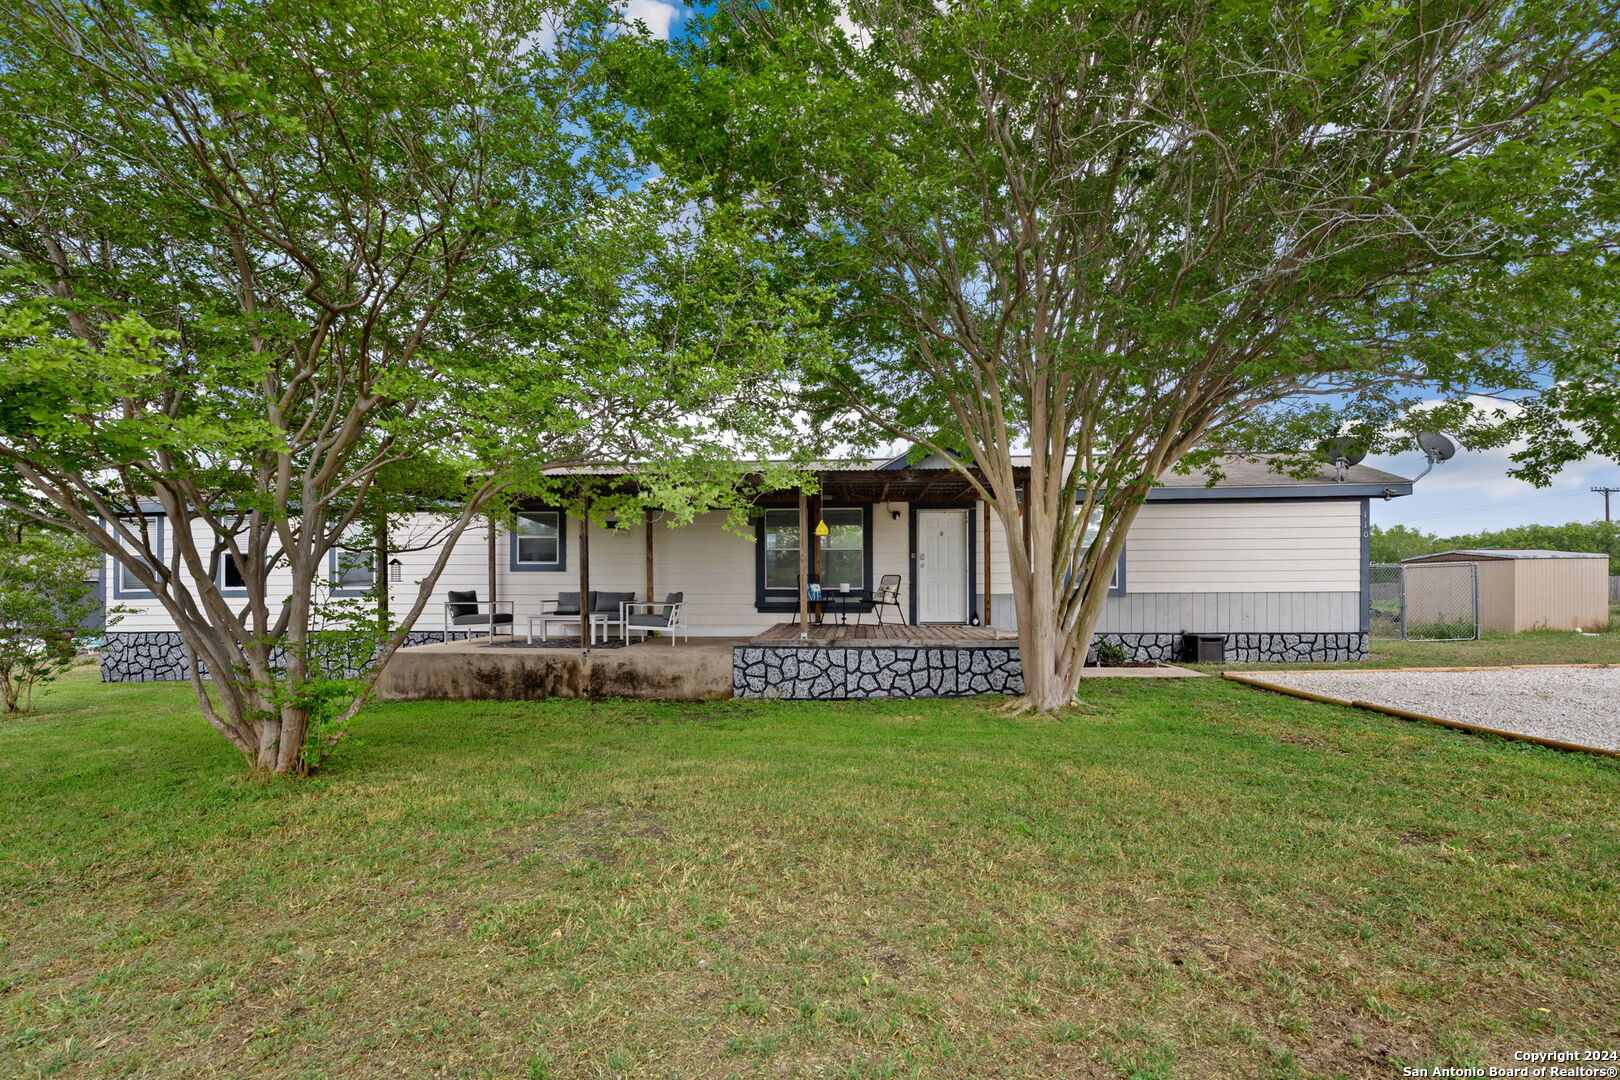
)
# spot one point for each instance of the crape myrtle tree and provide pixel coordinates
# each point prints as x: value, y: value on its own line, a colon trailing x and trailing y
x: 48, y: 604
x: 1119, y: 238
x: 273, y: 273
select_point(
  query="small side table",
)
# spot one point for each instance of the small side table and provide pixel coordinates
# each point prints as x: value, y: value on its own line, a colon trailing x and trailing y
x: 546, y: 620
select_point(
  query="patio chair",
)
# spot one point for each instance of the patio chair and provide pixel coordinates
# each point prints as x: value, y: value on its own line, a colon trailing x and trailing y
x: 563, y: 610
x: 887, y: 594
x: 463, y: 611
x: 671, y: 620
x: 607, y: 610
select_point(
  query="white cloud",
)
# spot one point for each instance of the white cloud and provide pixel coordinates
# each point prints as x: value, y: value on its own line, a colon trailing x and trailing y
x: 657, y: 16
x: 1473, y: 491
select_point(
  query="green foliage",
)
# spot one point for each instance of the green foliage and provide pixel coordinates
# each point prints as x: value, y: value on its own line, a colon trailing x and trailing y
x: 292, y: 272
x: 1461, y: 628
x: 1112, y: 654
x: 1401, y: 542
x: 47, y: 597
x: 1129, y: 240
x: 930, y: 165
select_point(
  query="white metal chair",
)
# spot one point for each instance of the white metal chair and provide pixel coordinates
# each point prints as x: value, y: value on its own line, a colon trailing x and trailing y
x: 464, y: 611
x: 671, y: 620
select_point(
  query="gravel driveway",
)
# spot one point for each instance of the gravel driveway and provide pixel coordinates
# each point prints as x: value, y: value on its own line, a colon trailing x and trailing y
x: 1569, y: 704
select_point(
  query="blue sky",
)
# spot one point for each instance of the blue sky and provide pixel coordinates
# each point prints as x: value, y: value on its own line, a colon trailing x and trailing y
x: 662, y: 19
x: 1472, y: 491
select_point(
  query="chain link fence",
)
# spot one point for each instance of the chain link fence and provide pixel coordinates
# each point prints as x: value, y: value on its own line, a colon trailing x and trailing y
x: 1424, y: 601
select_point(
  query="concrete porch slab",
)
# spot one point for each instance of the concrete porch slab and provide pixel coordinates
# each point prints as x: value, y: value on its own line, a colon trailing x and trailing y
x: 697, y: 670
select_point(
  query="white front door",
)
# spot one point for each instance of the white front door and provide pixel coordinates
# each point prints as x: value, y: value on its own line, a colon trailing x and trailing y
x: 942, y: 566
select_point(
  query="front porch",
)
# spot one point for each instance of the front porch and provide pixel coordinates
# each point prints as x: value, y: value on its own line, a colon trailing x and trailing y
x: 834, y: 661
x: 879, y: 636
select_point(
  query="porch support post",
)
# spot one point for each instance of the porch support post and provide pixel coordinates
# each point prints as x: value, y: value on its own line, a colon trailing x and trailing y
x: 985, y: 586
x: 380, y: 572
x: 804, y: 566
x: 818, y: 514
x: 647, y: 525
x: 585, y: 575
x: 1023, y: 514
x: 492, y: 597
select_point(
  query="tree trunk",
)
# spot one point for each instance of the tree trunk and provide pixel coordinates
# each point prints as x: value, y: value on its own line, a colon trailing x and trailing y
x: 1040, y: 630
x: 1055, y: 627
x: 1038, y: 637
x: 294, y: 733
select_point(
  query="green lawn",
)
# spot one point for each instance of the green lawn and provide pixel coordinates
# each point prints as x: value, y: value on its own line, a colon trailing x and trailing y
x: 1496, y: 649
x: 1192, y: 879
x: 1490, y: 650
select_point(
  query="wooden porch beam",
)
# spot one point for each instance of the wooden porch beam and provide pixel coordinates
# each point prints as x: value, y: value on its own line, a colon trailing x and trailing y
x: 585, y: 576
x: 987, y: 562
x: 804, y: 565
x: 818, y: 513
x: 648, y: 526
x: 492, y: 582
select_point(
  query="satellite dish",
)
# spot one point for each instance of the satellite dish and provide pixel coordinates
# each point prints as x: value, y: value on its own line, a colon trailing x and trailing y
x: 1436, y: 447
x: 1342, y: 451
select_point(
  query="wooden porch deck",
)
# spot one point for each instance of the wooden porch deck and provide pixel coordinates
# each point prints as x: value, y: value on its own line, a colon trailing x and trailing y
x: 887, y: 635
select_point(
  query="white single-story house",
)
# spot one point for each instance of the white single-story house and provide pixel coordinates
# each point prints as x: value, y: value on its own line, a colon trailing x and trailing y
x: 1274, y: 565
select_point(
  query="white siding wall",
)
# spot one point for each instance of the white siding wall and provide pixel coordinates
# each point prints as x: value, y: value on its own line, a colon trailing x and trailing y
x: 1264, y: 545
x: 1260, y: 546
x: 146, y: 614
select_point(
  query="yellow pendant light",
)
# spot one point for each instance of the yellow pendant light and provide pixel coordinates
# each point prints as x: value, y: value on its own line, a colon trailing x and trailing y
x: 821, y: 528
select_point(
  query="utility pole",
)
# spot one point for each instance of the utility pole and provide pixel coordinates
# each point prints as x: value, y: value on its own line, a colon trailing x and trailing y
x: 1606, y: 492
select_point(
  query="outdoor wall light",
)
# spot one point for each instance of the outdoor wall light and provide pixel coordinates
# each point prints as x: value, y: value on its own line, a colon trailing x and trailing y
x: 894, y: 515
x: 394, y: 569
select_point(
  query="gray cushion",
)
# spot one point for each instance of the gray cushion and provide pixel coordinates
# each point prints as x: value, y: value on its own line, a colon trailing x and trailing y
x: 480, y: 620
x: 567, y: 603
x: 460, y: 605
x: 675, y: 598
x: 607, y: 603
x: 644, y: 619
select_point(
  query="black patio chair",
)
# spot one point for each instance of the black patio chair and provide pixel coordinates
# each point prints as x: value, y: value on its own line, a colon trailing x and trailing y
x: 887, y: 594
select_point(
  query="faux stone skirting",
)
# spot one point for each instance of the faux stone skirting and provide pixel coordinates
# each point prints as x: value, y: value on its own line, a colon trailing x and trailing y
x: 1295, y: 648
x: 160, y: 655
x: 828, y: 673
x: 797, y: 671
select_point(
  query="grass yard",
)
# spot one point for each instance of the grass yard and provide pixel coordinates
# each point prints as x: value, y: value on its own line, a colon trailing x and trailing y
x: 1498, y: 649
x: 1490, y: 650
x: 1192, y: 879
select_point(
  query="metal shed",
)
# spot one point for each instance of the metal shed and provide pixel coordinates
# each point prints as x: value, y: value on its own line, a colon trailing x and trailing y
x: 1529, y: 588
